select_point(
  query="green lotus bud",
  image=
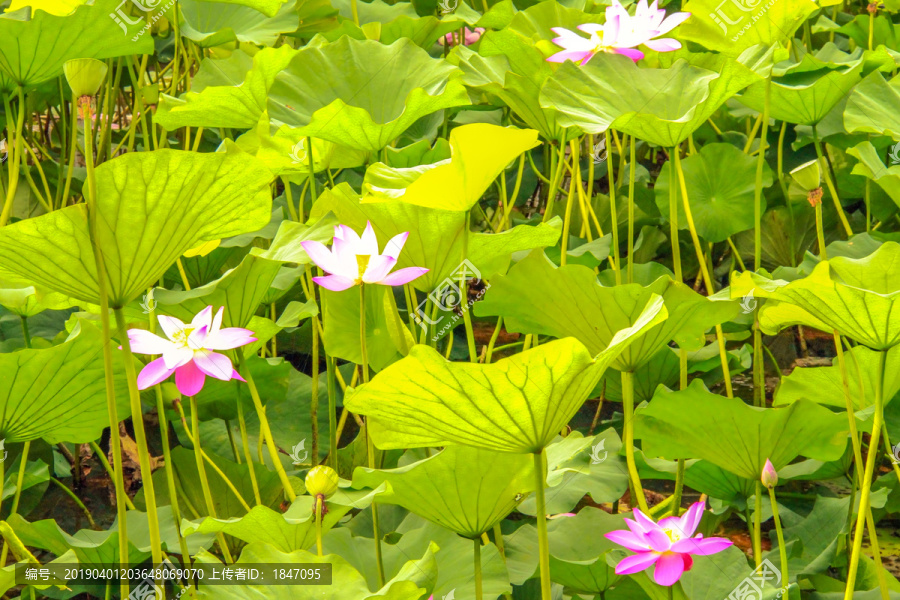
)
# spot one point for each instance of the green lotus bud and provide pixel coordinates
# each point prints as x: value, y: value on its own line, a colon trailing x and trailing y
x: 85, y: 75
x: 769, y: 476
x: 321, y: 480
x: 807, y: 175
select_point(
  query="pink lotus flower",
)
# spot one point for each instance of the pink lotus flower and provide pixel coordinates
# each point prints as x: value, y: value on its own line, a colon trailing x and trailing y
x: 354, y: 260
x: 188, y: 351
x: 668, y: 544
x: 621, y: 34
x: 769, y: 475
x: 471, y: 37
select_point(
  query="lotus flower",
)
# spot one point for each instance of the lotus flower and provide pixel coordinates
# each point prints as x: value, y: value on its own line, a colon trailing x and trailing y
x: 668, y: 544
x: 621, y: 34
x: 769, y: 475
x: 472, y: 36
x: 354, y: 260
x: 188, y: 351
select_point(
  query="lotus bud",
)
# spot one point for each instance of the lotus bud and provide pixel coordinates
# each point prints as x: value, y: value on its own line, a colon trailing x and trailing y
x: 807, y: 175
x: 85, y: 75
x: 321, y: 481
x: 769, y: 476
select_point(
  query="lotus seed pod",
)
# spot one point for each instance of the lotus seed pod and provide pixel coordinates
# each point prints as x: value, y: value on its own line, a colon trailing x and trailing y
x: 807, y: 175
x: 769, y: 476
x: 85, y: 75
x: 321, y: 480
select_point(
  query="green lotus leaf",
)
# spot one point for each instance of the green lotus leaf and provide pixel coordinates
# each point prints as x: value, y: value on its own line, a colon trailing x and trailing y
x: 509, y: 67
x: 662, y: 105
x: 152, y: 207
x: 229, y: 92
x: 805, y: 91
x: 340, y: 318
x: 58, y: 393
x: 467, y: 490
x: 211, y: 24
x: 575, y: 304
x: 734, y: 27
x: 26, y: 302
x: 695, y: 423
x: 34, y: 49
x: 720, y: 182
x: 286, y: 246
x: 536, y: 22
x: 423, y: 31
x: 353, y: 110
x: 266, y: 7
x: 435, y: 236
x: 872, y: 165
x: 517, y: 404
x: 479, y: 153
x: 101, y: 548
x: 294, y: 529
x: 414, y: 581
x: 856, y: 297
x: 581, y: 565
x: 825, y: 385
x: 873, y: 107
x: 284, y: 152
x: 661, y: 368
x: 241, y: 291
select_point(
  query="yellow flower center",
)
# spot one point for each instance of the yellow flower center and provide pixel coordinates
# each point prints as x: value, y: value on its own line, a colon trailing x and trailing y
x: 362, y: 263
x: 182, y: 336
x: 674, y: 534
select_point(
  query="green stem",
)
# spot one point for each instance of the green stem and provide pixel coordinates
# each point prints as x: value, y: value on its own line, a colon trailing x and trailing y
x: 757, y: 190
x: 573, y: 145
x: 673, y: 218
x: 871, y: 459
x: 631, y: 174
x: 245, y: 444
x: 479, y: 594
x: 757, y: 529
x: 314, y: 400
x: 613, y: 213
x: 707, y: 280
x: 464, y: 296
x: 71, y: 495
x: 355, y: 12
x: 201, y: 472
x: 332, y: 412
x: 319, y: 524
x: 14, y: 155
x: 826, y: 173
x: 782, y: 551
x: 820, y: 232
x: 264, y: 427
x: 137, y: 419
x: 541, y: 508
x: 628, y: 409
x: 312, y: 167
x: 25, y: 333
x: 115, y: 444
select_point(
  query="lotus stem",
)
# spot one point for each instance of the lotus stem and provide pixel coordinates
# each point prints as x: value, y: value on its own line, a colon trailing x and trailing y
x: 757, y: 190
x: 673, y: 218
x: 704, y: 271
x: 759, y: 373
x: 245, y: 443
x: 137, y: 419
x: 355, y: 12
x: 309, y: 151
x: 370, y: 447
x: 631, y: 174
x: 479, y: 594
x: 170, y: 473
x: 464, y: 295
x: 543, y: 540
x: 112, y: 411
x: 332, y: 412
x: 314, y: 400
x: 757, y: 525
x: 14, y: 153
x: 871, y: 459
x: 826, y: 174
x: 628, y: 408
x: 782, y: 551
x: 74, y: 498
x: 20, y: 479
x: 570, y: 200
x: 679, y: 473
x: 264, y: 427
x: 319, y: 524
